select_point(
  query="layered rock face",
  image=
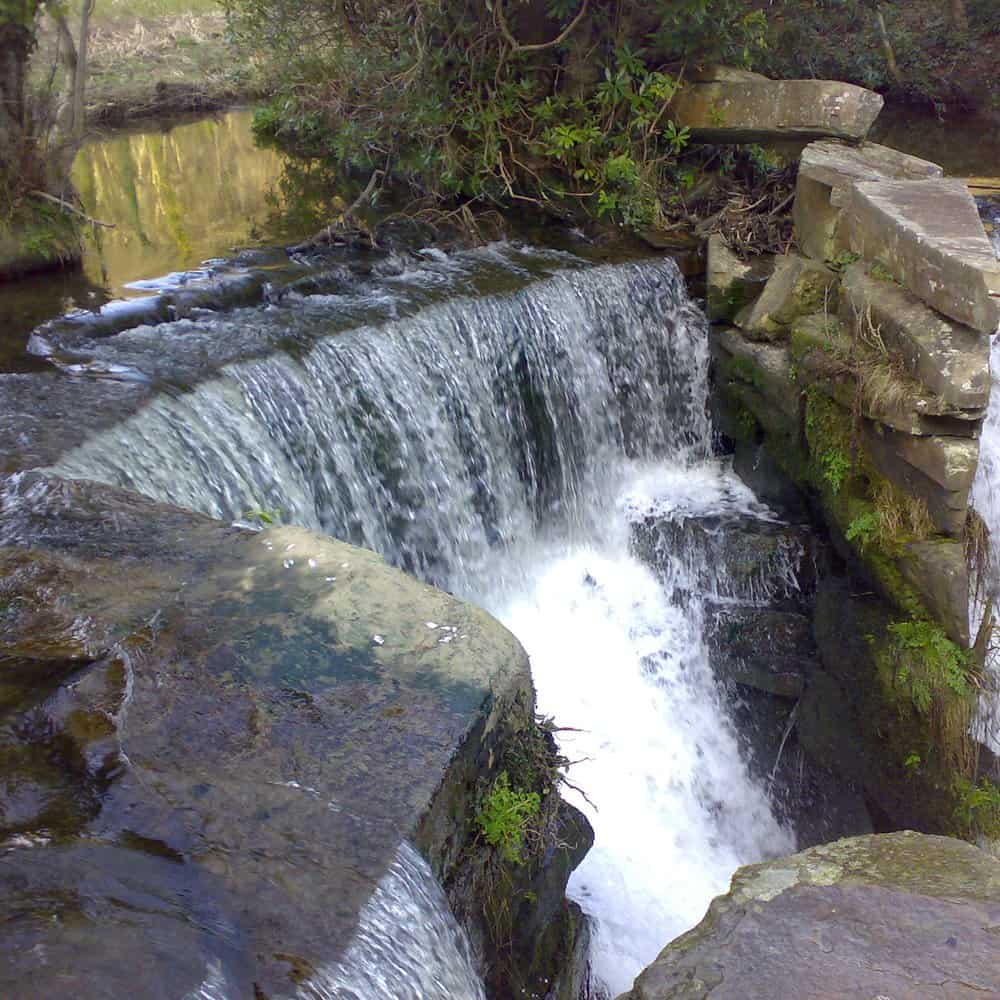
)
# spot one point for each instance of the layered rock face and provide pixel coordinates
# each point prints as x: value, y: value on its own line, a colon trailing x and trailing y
x: 861, y: 371
x: 214, y: 741
x: 900, y: 915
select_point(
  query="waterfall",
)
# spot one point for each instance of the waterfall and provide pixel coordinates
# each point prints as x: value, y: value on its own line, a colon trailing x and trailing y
x: 985, y: 500
x: 503, y: 446
x: 408, y: 946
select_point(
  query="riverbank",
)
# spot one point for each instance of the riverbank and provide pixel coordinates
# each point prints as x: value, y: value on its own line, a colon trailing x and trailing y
x: 151, y: 59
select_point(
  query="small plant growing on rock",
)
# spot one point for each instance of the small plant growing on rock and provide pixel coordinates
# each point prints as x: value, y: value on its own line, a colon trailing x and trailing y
x: 843, y: 259
x: 864, y: 529
x: 978, y: 807
x: 505, y: 815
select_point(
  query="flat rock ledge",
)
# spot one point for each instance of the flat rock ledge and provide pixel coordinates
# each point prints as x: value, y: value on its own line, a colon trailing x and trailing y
x: 747, y: 107
x: 215, y: 740
x: 900, y: 915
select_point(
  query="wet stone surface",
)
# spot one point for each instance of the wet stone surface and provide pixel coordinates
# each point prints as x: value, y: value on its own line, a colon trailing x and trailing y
x: 217, y: 738
x: 900, y: 915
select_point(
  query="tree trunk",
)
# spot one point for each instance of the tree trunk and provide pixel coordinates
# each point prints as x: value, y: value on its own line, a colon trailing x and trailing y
x: 80, y: 77
x: 16, y: 42
x: 959, y: 15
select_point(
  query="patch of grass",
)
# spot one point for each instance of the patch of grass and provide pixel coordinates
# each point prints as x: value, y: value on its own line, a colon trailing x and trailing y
x: 504, y: 817
x: 938, y: 679
x: 902, y: 517
x: 977, y: 810
x: 37, y: 229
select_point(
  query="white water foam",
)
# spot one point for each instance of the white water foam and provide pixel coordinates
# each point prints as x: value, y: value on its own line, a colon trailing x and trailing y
x: 985, y: 500
x: 621, y: 657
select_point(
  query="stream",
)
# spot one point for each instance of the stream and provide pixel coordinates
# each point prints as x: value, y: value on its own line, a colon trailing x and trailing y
x: 497, y: 422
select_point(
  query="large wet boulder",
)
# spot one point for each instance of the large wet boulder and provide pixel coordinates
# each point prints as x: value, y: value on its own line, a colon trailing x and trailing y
x: 731, y: 558
x: 766, y: 649
x: 738, y: 107
x: 900, y: 915
x: 215, y: 741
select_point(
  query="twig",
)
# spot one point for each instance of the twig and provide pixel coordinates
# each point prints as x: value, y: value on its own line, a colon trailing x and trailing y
x: 71, y: 208
x: 516, y: 46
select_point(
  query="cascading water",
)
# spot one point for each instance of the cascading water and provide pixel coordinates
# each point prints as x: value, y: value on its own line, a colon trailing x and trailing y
x: 985, y: 500
x: 408, y: 946
x: 501, y: 447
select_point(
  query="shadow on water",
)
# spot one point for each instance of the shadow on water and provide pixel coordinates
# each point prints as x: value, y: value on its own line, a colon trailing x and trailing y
x: 178, y: 194
x: 965, y: 147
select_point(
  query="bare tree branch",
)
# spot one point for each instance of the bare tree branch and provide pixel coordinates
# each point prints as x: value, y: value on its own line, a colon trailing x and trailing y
x: 516, y: 46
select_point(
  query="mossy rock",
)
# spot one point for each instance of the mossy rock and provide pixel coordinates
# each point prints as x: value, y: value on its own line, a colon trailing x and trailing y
x: 900, y: 914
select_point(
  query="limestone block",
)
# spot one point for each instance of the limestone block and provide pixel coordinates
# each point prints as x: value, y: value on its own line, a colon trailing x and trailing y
x: 929, y: 235
x: 938, y: 571
x: 765, y: 371
x: 732, y: 283
x: 950, y: 462
x: 798, y: 287
x: 762, y: 110
x: 827, y: 170
x: 951, y: 359
x: 947, y: 507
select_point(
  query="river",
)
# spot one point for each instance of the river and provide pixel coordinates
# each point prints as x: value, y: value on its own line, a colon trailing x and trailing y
x: 495, y: 421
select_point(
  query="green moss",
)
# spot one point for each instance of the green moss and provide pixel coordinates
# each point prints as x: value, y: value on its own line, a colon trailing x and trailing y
x: 864, y: 529
x: 880, y: 272
x: 744, y: 370
x: 38, y: 233
x: 929, y: 663
x: 831, y: 451
x: 747, y: 427
x: 843, y: 259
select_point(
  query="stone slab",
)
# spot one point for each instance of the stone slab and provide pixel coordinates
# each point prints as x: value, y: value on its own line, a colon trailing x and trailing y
x: 821, y: 343
x: 930, y: 237
x: 827, y: 169
x: 761, y: 110
x: 950, y: 462
x: 764, y: 367
x: 798, y: 287
x: 938, y: 571
x: 731, y: 282
x: 950, y: 358
x: 900, y: 915
x: 271, y: 713
x: 947, y: 507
